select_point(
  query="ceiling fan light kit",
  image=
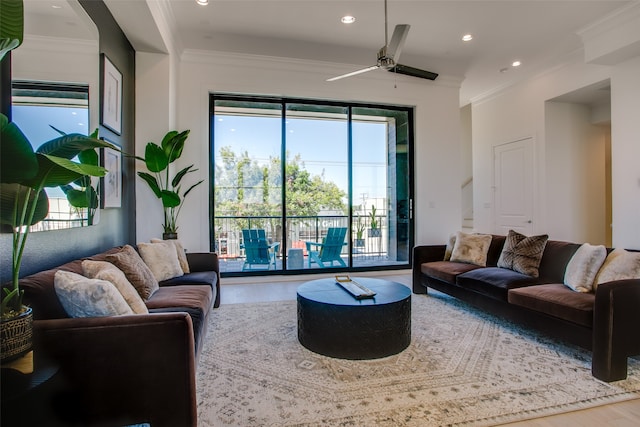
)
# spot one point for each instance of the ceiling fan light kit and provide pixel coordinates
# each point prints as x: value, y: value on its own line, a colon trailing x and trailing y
x: 389, y: 54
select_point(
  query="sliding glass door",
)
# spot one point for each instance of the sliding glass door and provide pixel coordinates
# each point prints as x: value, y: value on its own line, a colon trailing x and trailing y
x: 320, y: 185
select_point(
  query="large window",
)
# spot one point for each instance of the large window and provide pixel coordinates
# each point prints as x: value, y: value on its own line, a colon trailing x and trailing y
x: 304, y: 185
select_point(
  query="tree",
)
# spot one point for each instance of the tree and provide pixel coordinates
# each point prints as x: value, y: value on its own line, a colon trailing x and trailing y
x: 244, y: 188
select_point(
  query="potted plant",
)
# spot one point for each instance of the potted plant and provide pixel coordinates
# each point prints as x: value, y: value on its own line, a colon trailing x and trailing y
x: 374, y: 231
x: 23, y: 202
x: 359, y: 242
x: 157, y: 159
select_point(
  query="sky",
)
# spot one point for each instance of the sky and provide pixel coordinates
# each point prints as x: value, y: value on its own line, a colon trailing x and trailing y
x: 322, y: 145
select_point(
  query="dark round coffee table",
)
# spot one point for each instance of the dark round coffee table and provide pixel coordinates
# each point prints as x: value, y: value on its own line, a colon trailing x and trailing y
x: 333, y: 323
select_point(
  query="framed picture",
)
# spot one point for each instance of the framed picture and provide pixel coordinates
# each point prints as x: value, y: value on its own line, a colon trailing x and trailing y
x: 111, y: 194
x: 111, y: 96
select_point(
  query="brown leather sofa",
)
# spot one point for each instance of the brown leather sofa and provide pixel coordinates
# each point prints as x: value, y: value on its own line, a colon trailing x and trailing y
x: 605, y: 321
x: 131, y: 369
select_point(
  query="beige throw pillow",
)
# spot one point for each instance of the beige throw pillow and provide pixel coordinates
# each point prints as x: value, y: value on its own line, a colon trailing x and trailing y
x: 471, y: 248
x: 136, y: 271
x: 106, y: 271
x: 584, y: 265
x: 182, y: 256
x: 522, y: 253
x: 83, y: 297
x: 162, y: 260
x: 619, y: 265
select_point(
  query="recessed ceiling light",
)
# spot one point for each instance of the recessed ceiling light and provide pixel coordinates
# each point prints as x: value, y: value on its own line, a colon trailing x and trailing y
x: 516, y: 63
x: 202, y: 2
x: 348, y: 19
x: 467, y: 37
x: 55, y: 6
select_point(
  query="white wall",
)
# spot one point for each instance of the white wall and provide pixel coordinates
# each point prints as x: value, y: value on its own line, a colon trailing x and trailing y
x: 437, y: 132
x: 520, y: 111
x: 576, y: 174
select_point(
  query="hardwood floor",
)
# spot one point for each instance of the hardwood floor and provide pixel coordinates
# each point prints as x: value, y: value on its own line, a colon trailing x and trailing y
x: 283, y: 288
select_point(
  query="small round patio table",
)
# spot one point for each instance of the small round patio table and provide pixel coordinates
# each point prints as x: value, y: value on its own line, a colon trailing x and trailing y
x: 332, y: 322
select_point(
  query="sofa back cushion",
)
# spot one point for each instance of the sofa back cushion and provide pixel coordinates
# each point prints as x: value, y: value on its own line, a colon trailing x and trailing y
x: 495, y: 249
x: 555, y: 258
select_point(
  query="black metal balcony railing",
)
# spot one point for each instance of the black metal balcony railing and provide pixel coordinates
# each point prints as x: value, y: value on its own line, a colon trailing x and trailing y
x: 300, y: 229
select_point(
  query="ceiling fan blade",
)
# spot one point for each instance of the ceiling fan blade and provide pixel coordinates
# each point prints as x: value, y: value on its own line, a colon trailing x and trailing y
x: 413, y: 72
x: 397, y: 41
x: 354, y: 73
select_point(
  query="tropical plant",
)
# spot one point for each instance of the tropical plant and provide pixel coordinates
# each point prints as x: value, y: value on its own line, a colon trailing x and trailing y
x: 157, y: 158
x: 374, y: 219
x: 81, y: 194
x: 23, y: 176
x: 11, y: 25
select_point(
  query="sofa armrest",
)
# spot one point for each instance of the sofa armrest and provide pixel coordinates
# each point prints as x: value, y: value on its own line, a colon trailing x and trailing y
x: 126, y: 369
x: 422, y: 254
x: 615, y: 321
x: 206, y: 261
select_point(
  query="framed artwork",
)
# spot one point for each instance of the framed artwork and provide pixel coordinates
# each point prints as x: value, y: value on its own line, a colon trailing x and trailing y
x: 111, y: 194
x: 111, y: 96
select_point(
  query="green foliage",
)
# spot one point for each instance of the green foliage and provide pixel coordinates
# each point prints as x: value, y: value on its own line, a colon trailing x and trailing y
x: 359, y: 228
x: 23, y: 176
x: 245, y: 188
x: 157, y: 159
x: 11, y: 25
x: 374, y: 219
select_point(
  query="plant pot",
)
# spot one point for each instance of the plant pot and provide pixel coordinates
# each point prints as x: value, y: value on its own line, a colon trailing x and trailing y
x: 16, y: 335
x: 374, y: 232
x: 169, y: 236
x: 358, y: 243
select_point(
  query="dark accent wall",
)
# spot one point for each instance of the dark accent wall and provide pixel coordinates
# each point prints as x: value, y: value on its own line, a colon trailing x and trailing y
x: 116, y: 226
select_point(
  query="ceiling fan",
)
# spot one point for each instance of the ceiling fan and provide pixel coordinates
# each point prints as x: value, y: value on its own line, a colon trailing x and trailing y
x: 389, y: 54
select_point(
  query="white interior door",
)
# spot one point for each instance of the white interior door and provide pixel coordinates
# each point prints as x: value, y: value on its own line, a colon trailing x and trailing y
x: 513, y: 187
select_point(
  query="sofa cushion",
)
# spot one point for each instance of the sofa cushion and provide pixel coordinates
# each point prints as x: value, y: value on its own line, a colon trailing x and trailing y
x: 495, y: 250
x: 104, y: 270
x: 583, y: 267
x: 495, y: 282
x: 522, y: 253
x: 471, y: 248
x: 136, y: 271
x: 446, y: 271
x: 555, y: 258
x: 162, y: 260
x: 620, y: 264
x: 451, y: 241
x: 556, y: 300
x: 192, y: 296
x: 84, y: 297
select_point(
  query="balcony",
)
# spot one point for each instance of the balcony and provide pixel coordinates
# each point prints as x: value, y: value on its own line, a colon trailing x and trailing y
x: 370, y: 251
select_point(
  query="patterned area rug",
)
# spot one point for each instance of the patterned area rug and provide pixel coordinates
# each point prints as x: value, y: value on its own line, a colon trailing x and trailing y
x: 463, y: 367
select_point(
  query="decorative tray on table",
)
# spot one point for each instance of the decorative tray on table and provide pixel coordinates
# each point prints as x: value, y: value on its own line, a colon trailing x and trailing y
x: 354, y: 288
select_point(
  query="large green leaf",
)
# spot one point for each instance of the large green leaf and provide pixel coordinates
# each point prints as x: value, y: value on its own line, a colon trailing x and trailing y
x: 55, y: 171
x: 170, y: 199
x: 87, y: 198
x: 155, y: 158
x: 10, y: 193
x: 192, y: 187
x: 173, y: 144
x: 11, y: 25
x: 88, y: 157
x: 176, y: 179
x: 18, y: 162
x: 69, y: 146
x: 151, y: 180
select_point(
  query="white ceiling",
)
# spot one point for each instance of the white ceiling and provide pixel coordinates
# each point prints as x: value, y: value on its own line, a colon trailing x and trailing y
x: 537, y: 32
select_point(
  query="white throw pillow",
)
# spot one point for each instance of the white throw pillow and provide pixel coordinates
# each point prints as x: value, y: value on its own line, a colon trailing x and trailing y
x: 182, y: 256
x: 619, y: 265
x: 581, y: 270
x: 104, y: 270
x: 84, y: 297
x: 450, y: 244
x: 471, y: 248
x: 162, y: 260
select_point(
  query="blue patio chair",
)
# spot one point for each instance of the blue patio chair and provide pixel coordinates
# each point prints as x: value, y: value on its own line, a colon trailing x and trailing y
x: 257, y: 249
x: 329, y: 250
